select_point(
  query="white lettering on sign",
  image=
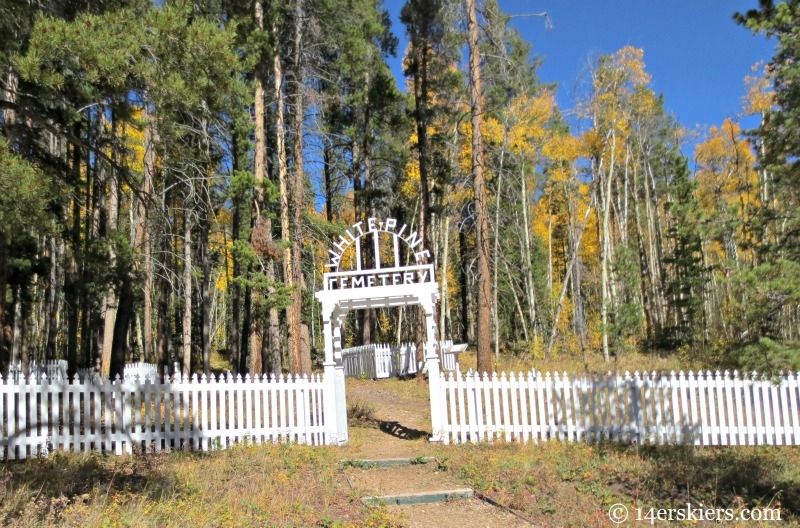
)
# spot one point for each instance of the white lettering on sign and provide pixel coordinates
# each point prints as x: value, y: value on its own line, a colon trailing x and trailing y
x: 375, y: 226
x: 370, y: 279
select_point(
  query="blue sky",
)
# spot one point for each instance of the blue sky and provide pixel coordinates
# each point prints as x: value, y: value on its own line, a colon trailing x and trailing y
x: 697, y: 56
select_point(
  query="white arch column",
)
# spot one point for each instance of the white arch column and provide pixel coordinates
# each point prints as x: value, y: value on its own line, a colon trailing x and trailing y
x: 334, y: 398
x: 432, y: 365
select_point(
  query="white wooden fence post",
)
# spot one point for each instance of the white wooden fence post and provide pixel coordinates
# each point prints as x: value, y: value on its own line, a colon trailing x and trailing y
x: 794, y: 401
x: 436, y: 395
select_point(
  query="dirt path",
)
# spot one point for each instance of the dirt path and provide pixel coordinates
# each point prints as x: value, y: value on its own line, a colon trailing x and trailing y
x: 399, y: 427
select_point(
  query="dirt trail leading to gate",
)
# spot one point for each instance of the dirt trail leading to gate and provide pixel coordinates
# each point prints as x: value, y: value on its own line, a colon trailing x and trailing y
x: 399, y: 427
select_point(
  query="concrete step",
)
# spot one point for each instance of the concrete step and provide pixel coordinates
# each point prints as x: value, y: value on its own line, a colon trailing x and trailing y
x: 424, y: 497
x: 399, y: 481
x: 385, y: 462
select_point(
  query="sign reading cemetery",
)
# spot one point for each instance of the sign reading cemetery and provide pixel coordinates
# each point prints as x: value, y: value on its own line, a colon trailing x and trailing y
x: 368, y: 279
x: 373, y: 256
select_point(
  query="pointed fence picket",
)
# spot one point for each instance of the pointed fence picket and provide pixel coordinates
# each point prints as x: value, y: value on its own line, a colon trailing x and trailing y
x: 146, y: 415
x: 703, y: 408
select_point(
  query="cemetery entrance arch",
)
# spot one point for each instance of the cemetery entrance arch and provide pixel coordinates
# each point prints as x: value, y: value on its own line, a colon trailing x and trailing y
x: 366, y: 270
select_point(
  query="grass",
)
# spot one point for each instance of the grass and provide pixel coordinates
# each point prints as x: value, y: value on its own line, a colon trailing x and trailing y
x: 554, y: 484
x: 560, y: 484
x: 574, y: 364
x: 266, y: 485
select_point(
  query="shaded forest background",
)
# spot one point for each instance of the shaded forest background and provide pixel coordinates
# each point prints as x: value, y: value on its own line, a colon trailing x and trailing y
x: 171, y: 176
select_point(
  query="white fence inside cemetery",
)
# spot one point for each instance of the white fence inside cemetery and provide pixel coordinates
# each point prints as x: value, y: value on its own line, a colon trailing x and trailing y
x: 658, y: 408
x: 195, y: 413
x: 379, y: 361
x: 56, y: 370
x: 52, y: 369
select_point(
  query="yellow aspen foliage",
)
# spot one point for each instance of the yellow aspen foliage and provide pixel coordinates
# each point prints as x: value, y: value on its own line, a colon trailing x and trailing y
x: 218, y: 241
x: 133, y: 137
x: 131, y: 153
x: 565, y: 152
x: 564, y: 148
x: 620, y: 92
x: 524, y: 127
x: 622, y: 71
x: 409, y: 188
x: 760, y: 95
x: 727, y: 185
x: 725, y: 168
x: 631, y: 60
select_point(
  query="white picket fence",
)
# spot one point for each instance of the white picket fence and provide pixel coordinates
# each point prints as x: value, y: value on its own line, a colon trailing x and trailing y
x: 381, y: 361
x: 56, y: 370
x: 196, y: 413
x: 701, y: 409
x: 52, y: 369
x: 142, y: 370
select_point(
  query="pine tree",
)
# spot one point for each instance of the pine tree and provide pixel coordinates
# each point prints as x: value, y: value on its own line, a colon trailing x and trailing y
x: 770, y: 290
x: 684, y: 288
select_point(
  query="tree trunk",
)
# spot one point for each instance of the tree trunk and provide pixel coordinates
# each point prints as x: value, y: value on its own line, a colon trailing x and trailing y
x: 275, y: 341
x: 297, y: 345
x: 463, y: 288
x: 368, y: 208
x: 481, y: 215
x: 605, y: 247
x: 444, y: 261
x: 567, y: 275
x: 236, y: 317
x: 121, y: 327
x: 645, y: 278
x: 143, y: 230
x: 327, y: 171
x: 111, y: 300
x: 496, y: 252
x: 259, y: 171
x: 187, y: 291
x: 656, y: 245
x: 9, y: 122
x: 527, y: 263
x: 73, y: 286
x: 162, y: 325
x: 16, y: 332
x: 9, y: 95
x: 421, y: 96
x: 91, y: 318
x: 283, y: 184
x: 246, y: 331
x: 5, y: 347
x: 53, y: 287
x: 205, y: 295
